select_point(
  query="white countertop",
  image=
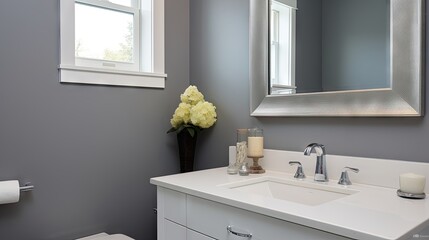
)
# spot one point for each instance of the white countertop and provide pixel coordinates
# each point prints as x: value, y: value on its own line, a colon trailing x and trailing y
x: 372, y: 213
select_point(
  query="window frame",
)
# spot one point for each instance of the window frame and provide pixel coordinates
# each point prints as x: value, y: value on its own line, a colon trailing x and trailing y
x: 276, y: 86
x: 151, y: 72
x: 108, y: 64
x: 275, y: 44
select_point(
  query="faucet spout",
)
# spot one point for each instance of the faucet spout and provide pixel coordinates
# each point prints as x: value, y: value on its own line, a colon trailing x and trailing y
x: 320, y: 174
x: 318, y: 148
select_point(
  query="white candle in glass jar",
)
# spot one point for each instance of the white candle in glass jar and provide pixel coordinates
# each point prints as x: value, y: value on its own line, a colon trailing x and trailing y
x: 412, y: 183
x: 255, y: 146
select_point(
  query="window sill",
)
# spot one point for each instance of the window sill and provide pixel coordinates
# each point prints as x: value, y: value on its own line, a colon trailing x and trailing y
x: 85, y: 75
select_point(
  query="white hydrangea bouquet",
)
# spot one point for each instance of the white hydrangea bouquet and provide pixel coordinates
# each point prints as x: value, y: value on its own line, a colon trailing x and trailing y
x: 194, y: 113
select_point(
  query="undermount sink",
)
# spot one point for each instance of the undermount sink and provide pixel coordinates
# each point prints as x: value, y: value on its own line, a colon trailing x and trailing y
x: 304, y: 192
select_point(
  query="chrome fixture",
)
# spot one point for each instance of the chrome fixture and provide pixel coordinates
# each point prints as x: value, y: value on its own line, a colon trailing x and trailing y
x: 27, y: 187
x: 299, y: 172
x: 244, y: 235
x: 344, y: 179
x: 320, y: 174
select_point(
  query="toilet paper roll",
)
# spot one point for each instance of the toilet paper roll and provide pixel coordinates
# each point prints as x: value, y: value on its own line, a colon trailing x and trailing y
x: 9, y: 192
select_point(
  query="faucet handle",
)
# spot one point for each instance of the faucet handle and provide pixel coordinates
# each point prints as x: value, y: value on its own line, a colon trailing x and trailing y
x: 344, y: 179
x: 299, y: 172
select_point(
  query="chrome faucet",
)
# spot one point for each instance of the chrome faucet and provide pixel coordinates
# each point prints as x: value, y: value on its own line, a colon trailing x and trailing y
x: 344, y: 179
x: 320, y: 174
x: 299, y: 172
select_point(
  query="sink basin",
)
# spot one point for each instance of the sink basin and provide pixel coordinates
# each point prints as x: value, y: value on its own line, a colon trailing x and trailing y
x: 304, y: 192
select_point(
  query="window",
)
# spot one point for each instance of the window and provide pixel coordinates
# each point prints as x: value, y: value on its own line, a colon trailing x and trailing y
x: 107, y: 35
x: 113, y: 42
x: 282, y: 52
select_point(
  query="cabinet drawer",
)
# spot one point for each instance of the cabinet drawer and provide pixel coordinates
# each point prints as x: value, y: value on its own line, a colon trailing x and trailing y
x: 178, y: 232
x: 174, y: 205
x: 212, y: 219
x: 174, y: 231
x: 191, y: 235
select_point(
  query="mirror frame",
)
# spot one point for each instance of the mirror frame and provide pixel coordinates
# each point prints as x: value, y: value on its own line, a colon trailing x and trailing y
x: 403, y: 99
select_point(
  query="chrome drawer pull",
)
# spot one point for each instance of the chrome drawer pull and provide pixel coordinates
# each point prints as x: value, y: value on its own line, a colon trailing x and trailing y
x: 246, y: 235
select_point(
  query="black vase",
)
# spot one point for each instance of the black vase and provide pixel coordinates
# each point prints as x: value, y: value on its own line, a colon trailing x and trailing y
x: 187, y: 145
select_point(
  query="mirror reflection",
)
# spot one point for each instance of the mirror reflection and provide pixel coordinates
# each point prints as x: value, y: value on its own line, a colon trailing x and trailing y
x: 329, y: 45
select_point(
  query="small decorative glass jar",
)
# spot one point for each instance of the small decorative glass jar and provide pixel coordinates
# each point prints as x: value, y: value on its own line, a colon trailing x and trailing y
x: 244, y: 169
x: 241, y: 151
x: 232, y: 169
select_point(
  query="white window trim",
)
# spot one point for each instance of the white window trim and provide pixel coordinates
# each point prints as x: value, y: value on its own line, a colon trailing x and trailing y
x: 292, y: 56
x: 128, y: 66
x: 274, y: 47
x: 70, y: 73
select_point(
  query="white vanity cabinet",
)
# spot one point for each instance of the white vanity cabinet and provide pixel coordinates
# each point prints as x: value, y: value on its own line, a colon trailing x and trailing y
x: 182, y: 216
x: 203, y: 204
x: 172, y: 217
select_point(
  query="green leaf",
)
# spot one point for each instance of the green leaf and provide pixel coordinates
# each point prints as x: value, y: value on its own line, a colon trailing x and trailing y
x: 171, y: 130
x: 191, y: 131
x: 180, y: 128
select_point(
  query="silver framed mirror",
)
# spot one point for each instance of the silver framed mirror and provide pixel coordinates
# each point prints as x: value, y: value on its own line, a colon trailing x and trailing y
x: 404, y: 97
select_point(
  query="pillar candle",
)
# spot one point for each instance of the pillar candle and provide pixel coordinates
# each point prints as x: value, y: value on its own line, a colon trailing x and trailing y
x: 412, y: 183
x: 255, y: 146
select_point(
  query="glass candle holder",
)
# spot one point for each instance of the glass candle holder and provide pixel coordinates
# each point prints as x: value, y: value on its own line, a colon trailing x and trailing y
x: 241, y: 151
x: 255, y: 143
x: 241, y: 146
x: 255, y: 149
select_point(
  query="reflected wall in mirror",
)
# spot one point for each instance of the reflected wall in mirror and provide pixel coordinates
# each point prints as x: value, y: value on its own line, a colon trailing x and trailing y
x: 388, y: 58
x: 339, y: 45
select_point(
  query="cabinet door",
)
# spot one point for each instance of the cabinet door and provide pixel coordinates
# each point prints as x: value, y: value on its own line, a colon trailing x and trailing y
x: 197, y: 236
x: 174, y: 206
x: 174, y: 231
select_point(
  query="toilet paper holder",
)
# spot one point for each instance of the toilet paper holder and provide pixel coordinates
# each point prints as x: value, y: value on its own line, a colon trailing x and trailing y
x: 27, y: 187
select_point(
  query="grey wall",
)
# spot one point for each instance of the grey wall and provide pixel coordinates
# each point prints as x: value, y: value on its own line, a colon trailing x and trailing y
x: 219, y: 66
x: 338, y: 48
x: 89, y: 150
x: 309, y: 46
x: 355, y: 44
